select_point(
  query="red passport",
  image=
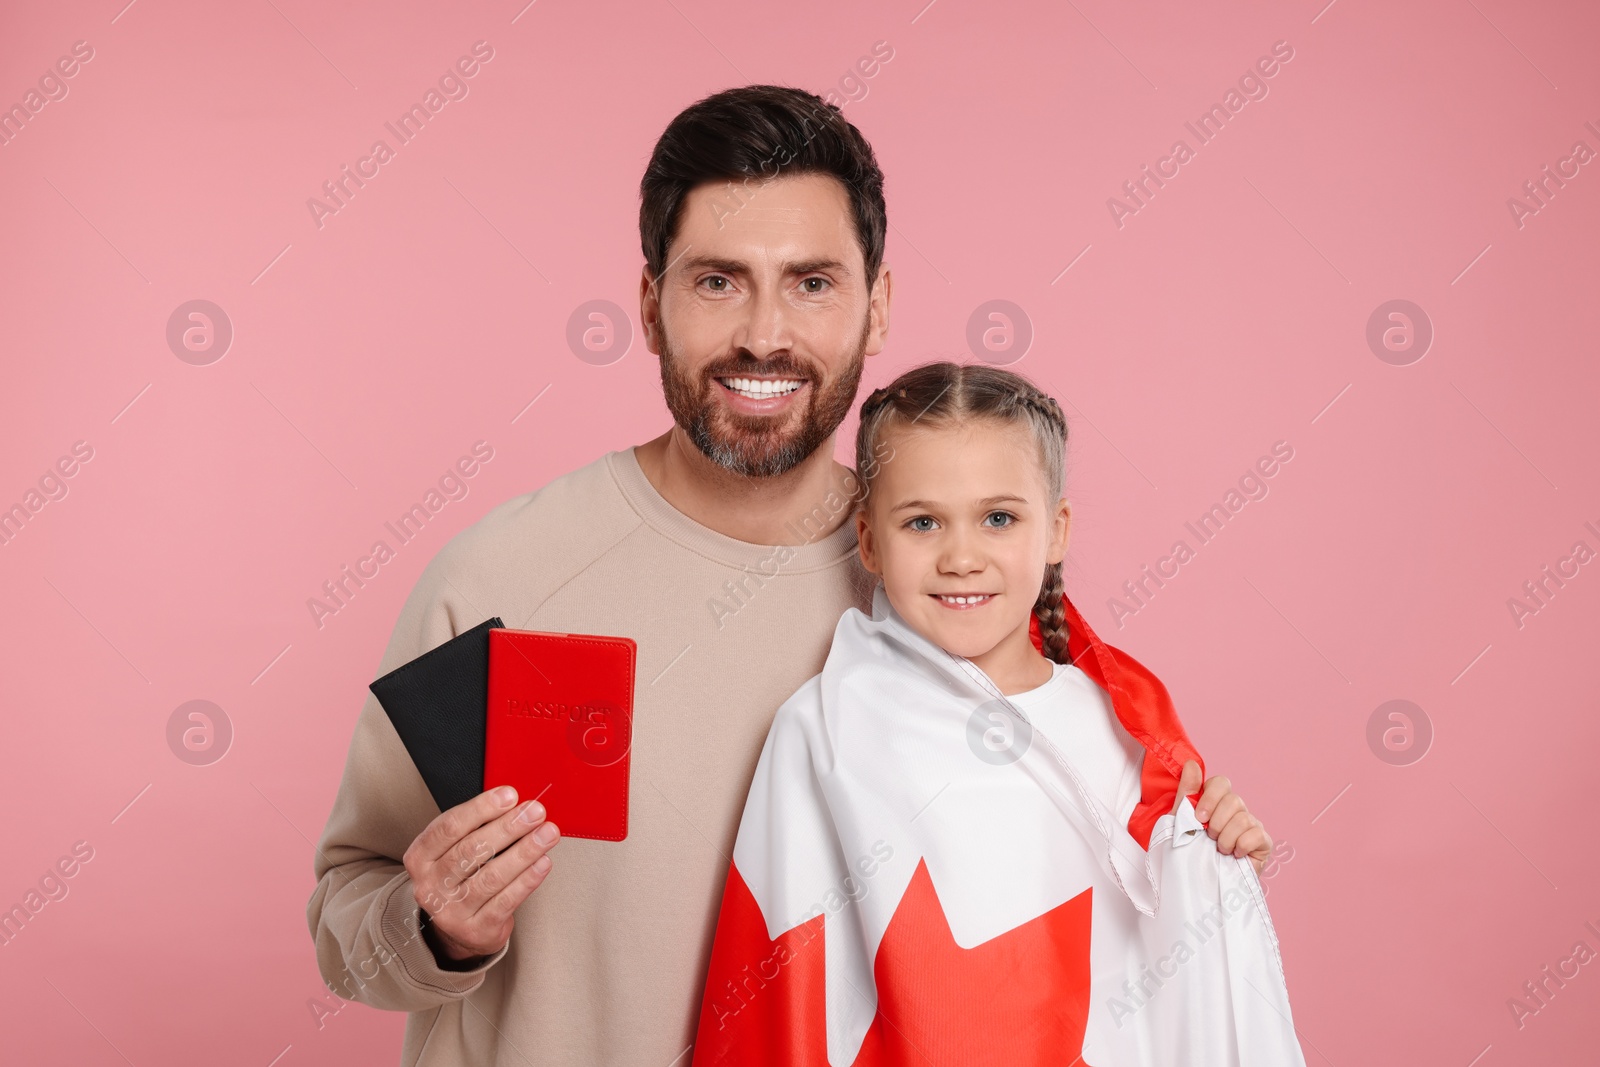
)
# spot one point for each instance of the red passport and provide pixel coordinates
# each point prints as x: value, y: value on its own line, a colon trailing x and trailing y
x: 560, y: 726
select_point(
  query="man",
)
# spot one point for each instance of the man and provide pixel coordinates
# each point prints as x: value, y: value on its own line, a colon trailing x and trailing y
x: 722, y: 547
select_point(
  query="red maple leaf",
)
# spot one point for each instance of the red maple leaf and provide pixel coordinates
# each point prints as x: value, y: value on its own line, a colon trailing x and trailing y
x: 1020, y: 999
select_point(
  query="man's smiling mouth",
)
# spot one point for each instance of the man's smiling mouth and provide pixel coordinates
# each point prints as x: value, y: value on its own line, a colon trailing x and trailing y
x: 761, y: 388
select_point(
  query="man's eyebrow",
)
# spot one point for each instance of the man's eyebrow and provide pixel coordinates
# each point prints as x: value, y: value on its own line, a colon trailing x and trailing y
x: 726, y: 266
x: 816, y: 266
x: 986, y: 502
x: 739, y: 266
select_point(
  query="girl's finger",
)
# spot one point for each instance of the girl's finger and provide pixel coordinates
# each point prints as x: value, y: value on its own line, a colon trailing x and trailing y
x: 1253, y: 840
x: 1225, y: 811
x: 1216, y: 788
x: 1230, y: 830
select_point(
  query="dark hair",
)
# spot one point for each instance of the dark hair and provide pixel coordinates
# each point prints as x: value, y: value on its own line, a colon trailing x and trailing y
x: 944, y: 394
x: 750, y: 134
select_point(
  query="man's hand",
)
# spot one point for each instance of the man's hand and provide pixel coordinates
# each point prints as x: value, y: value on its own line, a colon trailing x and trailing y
x: 1223, y: 812
x: 469, y: 893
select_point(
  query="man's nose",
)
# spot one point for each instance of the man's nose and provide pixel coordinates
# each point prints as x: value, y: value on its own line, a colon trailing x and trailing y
x: 766, y: 326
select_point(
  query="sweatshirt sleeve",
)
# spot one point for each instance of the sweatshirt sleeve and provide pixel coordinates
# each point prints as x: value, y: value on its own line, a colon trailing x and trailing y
x: 363, y: 913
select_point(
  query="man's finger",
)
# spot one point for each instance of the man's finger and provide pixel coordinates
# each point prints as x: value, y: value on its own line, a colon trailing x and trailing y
x: 490, y: 839
x: 505, y: 902
x: 451, y: 826
x: 506, y: 868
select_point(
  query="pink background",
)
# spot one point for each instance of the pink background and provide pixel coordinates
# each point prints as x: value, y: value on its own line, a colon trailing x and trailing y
x: 1229, y: 313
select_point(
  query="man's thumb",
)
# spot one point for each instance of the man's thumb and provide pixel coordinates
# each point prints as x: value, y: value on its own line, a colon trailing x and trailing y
x: 1188, y: 782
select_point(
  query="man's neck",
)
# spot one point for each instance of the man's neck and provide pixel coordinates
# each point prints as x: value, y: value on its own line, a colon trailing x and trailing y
x: 803, y: 505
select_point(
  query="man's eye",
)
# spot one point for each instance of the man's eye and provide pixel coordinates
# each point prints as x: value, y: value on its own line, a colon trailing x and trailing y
x: 717, y: 283
x: 814, y: 285
x: 917, y: 523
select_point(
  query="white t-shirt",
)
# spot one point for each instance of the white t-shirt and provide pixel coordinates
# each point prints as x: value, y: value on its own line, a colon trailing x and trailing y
x: 1076, y: 715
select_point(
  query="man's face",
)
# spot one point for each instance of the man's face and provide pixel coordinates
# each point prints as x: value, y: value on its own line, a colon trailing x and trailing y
x: 763, y: 318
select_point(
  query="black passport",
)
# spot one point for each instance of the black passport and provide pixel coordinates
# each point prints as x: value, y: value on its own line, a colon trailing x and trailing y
x: 438, y: 704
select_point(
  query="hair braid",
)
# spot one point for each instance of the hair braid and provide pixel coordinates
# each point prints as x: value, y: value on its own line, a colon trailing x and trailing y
x: 1048, y: 609
x: 1052, y: 615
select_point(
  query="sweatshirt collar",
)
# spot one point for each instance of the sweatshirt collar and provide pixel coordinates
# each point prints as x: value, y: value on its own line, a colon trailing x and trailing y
x: 809, y: 553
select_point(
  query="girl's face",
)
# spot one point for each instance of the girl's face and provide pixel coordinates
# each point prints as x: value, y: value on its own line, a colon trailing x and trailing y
x: 960, y: 528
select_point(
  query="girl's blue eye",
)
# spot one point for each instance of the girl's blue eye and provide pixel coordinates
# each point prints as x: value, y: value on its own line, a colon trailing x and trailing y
x: 1007, y: 516
x: 919, y: 519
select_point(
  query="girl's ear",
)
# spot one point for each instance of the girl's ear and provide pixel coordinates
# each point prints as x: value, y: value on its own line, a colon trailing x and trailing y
x: 865, y: 545
x: 1060, y: 532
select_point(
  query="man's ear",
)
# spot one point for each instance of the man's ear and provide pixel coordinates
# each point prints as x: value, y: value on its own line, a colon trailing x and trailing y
x: 1060, y: 532
x: 865, y: 545
x: 878, y: 311
x: 650, y: 310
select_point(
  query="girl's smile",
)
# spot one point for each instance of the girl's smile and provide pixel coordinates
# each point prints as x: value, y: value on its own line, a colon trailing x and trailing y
x: 963, y: 602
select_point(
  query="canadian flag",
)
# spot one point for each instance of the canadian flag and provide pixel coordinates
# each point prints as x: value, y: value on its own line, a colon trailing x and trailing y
x: 907, y: 891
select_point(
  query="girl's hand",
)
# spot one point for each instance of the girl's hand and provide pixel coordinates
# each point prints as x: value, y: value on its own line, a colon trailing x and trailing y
x: 1223, y: 813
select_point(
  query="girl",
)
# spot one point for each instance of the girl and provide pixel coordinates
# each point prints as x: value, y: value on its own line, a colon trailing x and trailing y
x: 981, y: 809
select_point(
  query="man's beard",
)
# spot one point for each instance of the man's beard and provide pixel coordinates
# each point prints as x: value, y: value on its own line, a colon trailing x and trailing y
x: 758, y: 446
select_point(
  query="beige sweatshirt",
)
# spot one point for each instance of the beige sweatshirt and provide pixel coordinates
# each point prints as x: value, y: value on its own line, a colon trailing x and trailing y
x: 608, y: 959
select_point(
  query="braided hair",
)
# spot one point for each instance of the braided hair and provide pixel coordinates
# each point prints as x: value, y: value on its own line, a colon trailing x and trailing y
x: 943, y: 393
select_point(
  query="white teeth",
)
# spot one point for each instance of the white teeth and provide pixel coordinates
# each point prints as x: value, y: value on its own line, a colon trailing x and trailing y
x: 965, y: 599
x: 761, y: 389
